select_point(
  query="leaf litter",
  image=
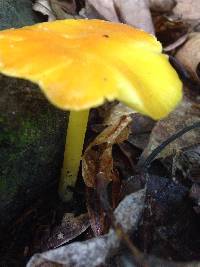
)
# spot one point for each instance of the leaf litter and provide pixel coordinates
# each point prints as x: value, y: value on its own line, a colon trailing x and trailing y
x: 161, y: 219
x: 94, y: 252
x: 98, y: 159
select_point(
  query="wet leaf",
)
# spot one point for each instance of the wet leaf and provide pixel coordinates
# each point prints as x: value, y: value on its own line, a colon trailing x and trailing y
x: 127, y: 153
x: 95, y: 251
x: 141, y: 128
x: 186, y: 114
x: 70, y: 228
x: 170, y: 31
x: 188, y: 163
x: 169, y: 226
x: 98, y: 221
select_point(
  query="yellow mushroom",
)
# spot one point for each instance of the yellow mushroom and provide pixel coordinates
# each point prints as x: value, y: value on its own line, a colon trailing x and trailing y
x: 79, y: 64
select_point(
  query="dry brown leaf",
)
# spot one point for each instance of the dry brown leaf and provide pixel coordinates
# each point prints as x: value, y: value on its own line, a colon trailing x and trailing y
x: 115, y: 112
x: 97, y: 217
x: 112, y: 114
x: 186, y: 114
x: 189, y: 55
x: 187, y: 9
x: 133, y: 12
x: 98, y: 156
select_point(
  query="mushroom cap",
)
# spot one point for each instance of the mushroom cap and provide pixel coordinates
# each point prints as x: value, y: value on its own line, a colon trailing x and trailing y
x: 79, y: 64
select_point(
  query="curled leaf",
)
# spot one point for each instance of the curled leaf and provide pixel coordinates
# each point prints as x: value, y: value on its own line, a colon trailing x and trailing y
x: 189, y: 55
x: 98, y: 155
x: 186, y: 114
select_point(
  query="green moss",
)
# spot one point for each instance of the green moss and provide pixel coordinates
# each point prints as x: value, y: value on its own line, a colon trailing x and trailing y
x: 32, y: 137
x: 32, y: 132
x: 28, y: 133
x: 16, y: 13
x: 2, y: 184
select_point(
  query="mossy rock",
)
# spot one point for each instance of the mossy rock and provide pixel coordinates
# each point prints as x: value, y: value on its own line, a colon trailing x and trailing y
x: 32, y: 137
x: 16, y: 13
x: 32, y: 131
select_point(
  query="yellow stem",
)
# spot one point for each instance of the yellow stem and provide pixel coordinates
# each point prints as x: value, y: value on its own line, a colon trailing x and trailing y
x: 73, y: 151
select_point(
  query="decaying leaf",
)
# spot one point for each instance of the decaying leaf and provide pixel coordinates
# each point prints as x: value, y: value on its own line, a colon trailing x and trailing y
x: 195, y: 196
x: 56, y: 9
x: 98, y: 155
x: 43, y: 6
x: 187, y: 9
x: 133, y: 12
x: 164, y: 199
x: 169, y: 29
x: 189, y: 55
x: 95, y: 251
x: 70, y: 228
x: 188, y: 162
x: 141, y: 127
x: 63, y: 9
x: 98, y: 159
x: 98, y: 220
x: 117, y: 111
x: 186, y: 114
x: 104, y: 8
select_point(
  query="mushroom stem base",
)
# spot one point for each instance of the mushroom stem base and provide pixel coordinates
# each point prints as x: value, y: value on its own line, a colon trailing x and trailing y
x: 73, y: 151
